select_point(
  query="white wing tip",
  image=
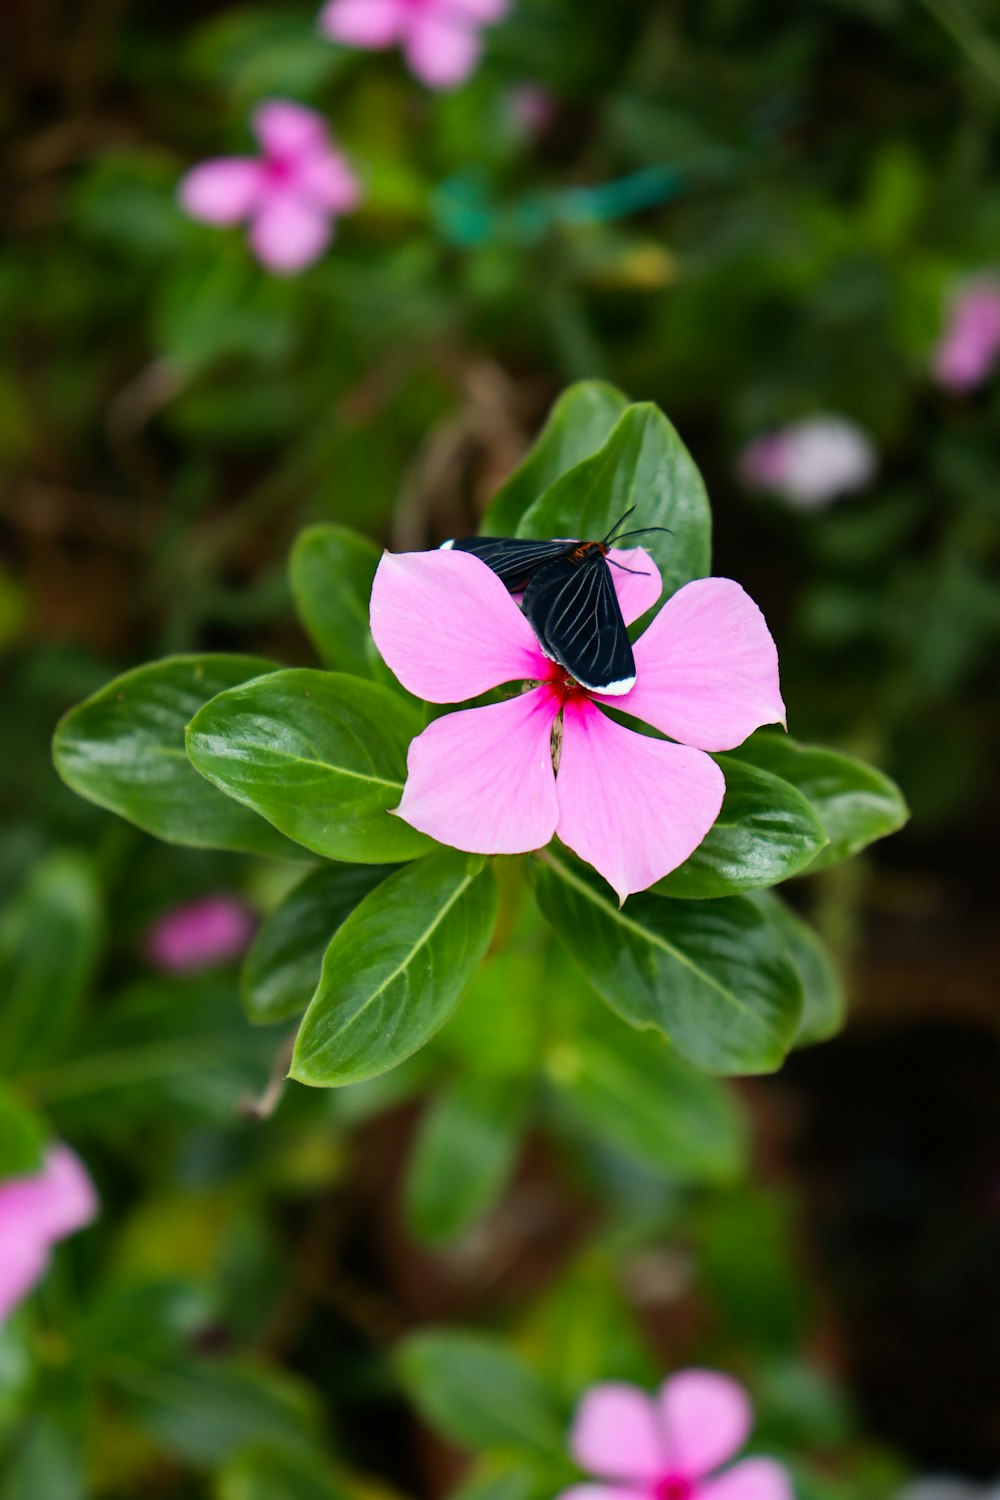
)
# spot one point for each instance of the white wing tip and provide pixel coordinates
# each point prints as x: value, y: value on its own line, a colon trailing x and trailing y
x: 447, y: 546
x: 613, y: 689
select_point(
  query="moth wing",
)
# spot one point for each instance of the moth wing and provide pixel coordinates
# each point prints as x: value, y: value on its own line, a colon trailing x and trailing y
x: 514, y: 561
x: 573, y: 609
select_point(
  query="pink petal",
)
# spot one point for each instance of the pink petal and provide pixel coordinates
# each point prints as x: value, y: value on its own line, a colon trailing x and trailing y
x: 440, y: 51
x: 448, y: 628
x: 324, y: 176
x: 631, y: 806
x: 289, y: 233
x: 616, y: 1434
x: 221, y: 191
x: 755, y: 1479
x: 481, y: 779
x: 637, y: 590
x: 285, y: 129
x: 22, y: 1266
x: 706, y: 1418
x: 57, y: 1201
x: 599, y: 1492
x: 707, y: 668
x: 363, y: 23
x: 480, y: 12
x: 198, y: 934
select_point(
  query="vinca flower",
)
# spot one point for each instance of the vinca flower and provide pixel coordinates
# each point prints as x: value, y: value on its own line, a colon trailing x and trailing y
x: 970, y: 344
x: 671, y: 1446
x: 200, y: 934
x: 508, y: 777
x: 440, y: 38
x: 35, y: 1212
x: 810, y: 462
x: 289, y: 195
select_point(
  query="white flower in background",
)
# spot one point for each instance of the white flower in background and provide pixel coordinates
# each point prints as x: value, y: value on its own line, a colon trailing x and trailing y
x: 810, y: 462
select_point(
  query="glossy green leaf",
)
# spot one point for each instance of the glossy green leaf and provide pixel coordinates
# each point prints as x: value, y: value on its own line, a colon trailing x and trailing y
x: 283, y: 966
x: 766, y: 831
x: 645, y: 464
x: 22, y: 1137
x: 855, y: 803
x: 320, y: 755
x: 463, y: 1157
x: 478, y: 1392
x: 46, y: 1459
x: 712, y: 976
x: 331, y: 571
x: 49, y: 939
x: 577, y: 425
x: 396, y: 969
x: 635, y: 1093
x: 124, y: 749
x: 824, y: 1004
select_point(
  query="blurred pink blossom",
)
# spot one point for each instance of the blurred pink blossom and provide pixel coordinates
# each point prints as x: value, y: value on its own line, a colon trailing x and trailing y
x: 810, y: 462
x: 440, y: 38
x: 671, y: 1446
x: 289, y: 196
x: 212, y: 930
x: 484, y: 779
x: 970, y: 343
x: 35, y: 1212
x: 531, y: 107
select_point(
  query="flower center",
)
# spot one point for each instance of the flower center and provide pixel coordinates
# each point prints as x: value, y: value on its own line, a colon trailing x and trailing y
x: 673, y: 1487
x: 280, y: 170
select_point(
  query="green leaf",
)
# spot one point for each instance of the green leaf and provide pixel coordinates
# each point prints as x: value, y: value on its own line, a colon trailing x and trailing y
x: 204, y: 1411
x: 22, y: 1137
x: 478, y: 1392
x: 577, y: 425
x: 321, y: 755
x: 766, y: 831
x: 638, y: 1095
x: 825, y: 1004
x: 396, y: 969
x: 124, y: 749
x: 331, y: 571
x: 283, y: 966
x: 267, y: 1473
x: 49, y: 939
x: 712, y: 976
x: 464, y: 1154
x: 645, y: 464
x: 45, y: 1460
x: 855, y: 803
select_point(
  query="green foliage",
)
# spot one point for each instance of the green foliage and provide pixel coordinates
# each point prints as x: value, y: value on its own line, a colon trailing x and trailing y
x: 331, y: 571
x: 320, y: 755
x: 396, y: 969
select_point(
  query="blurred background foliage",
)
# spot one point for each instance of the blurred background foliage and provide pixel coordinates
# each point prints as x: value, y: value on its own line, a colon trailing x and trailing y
x: 750, y: 213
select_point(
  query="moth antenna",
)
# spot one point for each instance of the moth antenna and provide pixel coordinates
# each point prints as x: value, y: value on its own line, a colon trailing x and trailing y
x: 640, y: 531
x: 615, y: 527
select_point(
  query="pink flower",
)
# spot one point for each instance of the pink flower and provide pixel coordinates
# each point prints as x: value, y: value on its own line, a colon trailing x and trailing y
x: 531, y: 108
x: 970, y: 344
x: 289, y: 196
x: 483, y: 779
x: 213, y: 930
x: 35, y: 1212
x: 670, y: 1447
x: 440, y: 38
x: 810, y: 462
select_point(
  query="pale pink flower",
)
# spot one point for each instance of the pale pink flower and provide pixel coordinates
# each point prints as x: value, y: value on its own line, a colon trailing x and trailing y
x: 970, y: 344
x: 289, y: 196
x: 671, y: 1446
x: 440, y: 38
x: 199, y: 934
x: 810, y: 462
x: 632, y: 806
x: 35, y: 1212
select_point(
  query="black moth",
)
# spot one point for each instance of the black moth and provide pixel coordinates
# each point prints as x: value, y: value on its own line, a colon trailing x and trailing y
x: 569, y: 600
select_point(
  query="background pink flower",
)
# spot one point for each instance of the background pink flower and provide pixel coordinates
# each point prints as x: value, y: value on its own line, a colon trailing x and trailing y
x: 289, y: 196
x: 671, y: 1447
x: 970, y: 344
x: 440, y: 38
x: 810, y: 462
x: 632, y: 806
x: 35, y: 1212
x: 212, y: 930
